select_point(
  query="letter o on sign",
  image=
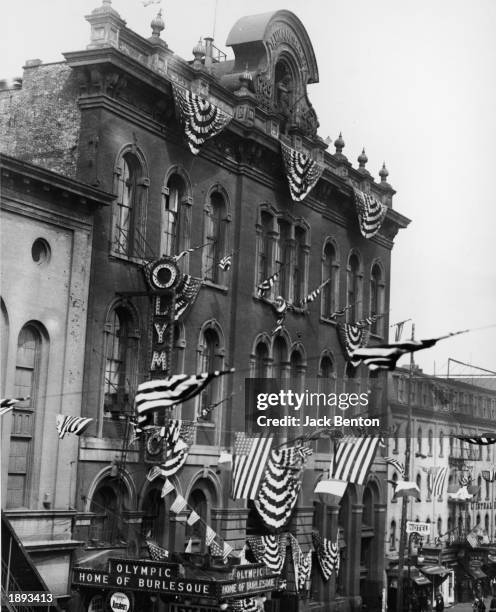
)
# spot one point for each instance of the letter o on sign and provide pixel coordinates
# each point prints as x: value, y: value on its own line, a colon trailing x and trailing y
x: 119, y: 602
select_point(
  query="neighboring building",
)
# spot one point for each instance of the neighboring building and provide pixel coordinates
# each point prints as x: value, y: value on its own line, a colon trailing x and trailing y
x: 443, y: 408
x: 46, y: 234
x: 113, y: 107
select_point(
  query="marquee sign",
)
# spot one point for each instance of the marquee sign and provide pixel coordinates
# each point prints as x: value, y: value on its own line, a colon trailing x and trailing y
x: 165, y: 578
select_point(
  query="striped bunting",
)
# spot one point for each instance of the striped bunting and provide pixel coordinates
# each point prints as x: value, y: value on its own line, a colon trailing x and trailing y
x: 157, y: 553
x: 302, y: 172
x: 489, y: 475
x: 482, y: 440
x: 216, y: 550
x: 225, y: 263
x: 210, y: 535
x: 71, y: 424
x: 385, y: 356
x: 250, y: 458
x: 186, y: 294
x: 280, y: 307
x: 178, y: 438
x: 179, y: 504
x: 167, y: 392
x: 369, y: 320
x: 327, y: 555
x: 8, y: 404
x: 302, y: 563
x: 352, y: 337
x: 313, y: 295
x: 270, y: 550
x: 353, y: 458
x: 267, y: 284
x: 398, y: 466
x: 201, y: 118
x: 371, y: 213
x: 436, y: 479
x: 280, y: 487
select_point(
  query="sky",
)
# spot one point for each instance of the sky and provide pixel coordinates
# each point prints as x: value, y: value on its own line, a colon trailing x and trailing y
x: 412, y: 81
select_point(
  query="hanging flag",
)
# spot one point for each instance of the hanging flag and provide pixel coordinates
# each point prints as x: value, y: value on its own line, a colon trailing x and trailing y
x: 302, y: 564
x: 482, y: 440
x: 189, y: 547
x: 267, y: 284
x: 9, y: 403
x: 473, y: 539
x: 225, y: 263
x: 371, y: 213
x: 155, y: 472
x: 201, y: 118
x: 178, y: 438
x: 167, y: 488
x: 157, y: 553
x: 399, y: 330
x: 302, y: 172
x: 250, y: 458
x: 438, y: 481
x: 398, y: 466
x: 489, y: 475
x: 331, y: 487
x: 71, y: 424
x: 280, y: 307
x: 270, y: 550
x: 385, y: 356
x: 406, y: 488
x: 327, y: 555
x: 216, y: 550
x: 353, y: 337
x: 165, y: 393
x: 227, y: 549
x: 315, y: 293
x: 210, y: 535
x: 179, y: 504
x: 193, y: 518
x: 280, y: 487
x: 462, y: 495
x: 186, y: 293
x: 353, y: 458
x: 245, y: 605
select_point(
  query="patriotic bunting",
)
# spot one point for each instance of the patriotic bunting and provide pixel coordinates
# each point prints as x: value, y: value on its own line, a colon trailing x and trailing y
x: 465, y: 480
x: 165, y: 393
x: 280, y: 487
x: 313, y: 295
x: 176, y: 258
x: 353, y: 458
x: 245, y: 605
x: 342, y: 311
x: 369, y: 320
x: 302, y: 564
x: 352, y: 337
x: 489, y: 475
x: 280, y: 307
x: 179, y: 504
x: 371, y: 213
x: 327, y: 555
x: 9, y: 403
x: 267, y: 284
x: 216, y: 550
x: 473, y: 540
x: 302, y: 172
x: 71, y: 424
x: 385, y: 356
x: 167, y: 488
x: 462, y: 495
x: 225, y: 263
x: 250, y: 458
x: 406, y: 488
x: 482, y: 440
x: 270, y: 550
x: 189, y: 547
x: 157, y: 553
x: 155, y: 472
x: 186, y: 293
x: 210, y: 535
x: 398, y: 466
x: 193, y: 518
x: 178, y: 438
x: 436, y: 478
x: 201, y: 118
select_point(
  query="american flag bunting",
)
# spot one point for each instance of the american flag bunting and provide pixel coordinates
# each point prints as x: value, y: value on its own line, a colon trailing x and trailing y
x: 157, y: 553
x: 8, y: 404
x: 250, y: 458
x: 71, y: 424
x: 353, y: 458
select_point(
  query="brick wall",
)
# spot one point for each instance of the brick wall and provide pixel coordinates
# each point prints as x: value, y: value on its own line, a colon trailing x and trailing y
x: 40, y: 122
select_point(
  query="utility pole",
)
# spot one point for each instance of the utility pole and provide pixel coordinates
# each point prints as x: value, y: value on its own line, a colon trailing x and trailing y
x: 404, y: 506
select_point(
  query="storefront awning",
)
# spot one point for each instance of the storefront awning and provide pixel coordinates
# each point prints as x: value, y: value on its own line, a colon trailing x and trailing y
x: 435, y: 570
x: 422, y: 581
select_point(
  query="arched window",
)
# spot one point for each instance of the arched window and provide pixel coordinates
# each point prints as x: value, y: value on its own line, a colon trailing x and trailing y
x: 418, y: 482
x: 430, y: 442
x: 109, y: 501
x: 419, y: 440
x: 283, y: 259
x: 428, y: 520
x: 478, y: 520
x: 299, y: 266
x: 280, y: 356
x: 351, y: 378
x: 486, y: 523
x: 261, y: 360
x: 468, y: 522
x: 28, y: 369
x: 330, y: 273
x: 441, y: 443
x: 176, y: 218
x: 4, y: 344
x: 377, y: 298
x: 154, y: 515
x: 296, y: 371
x: 392, y: 535
x: 265, y: 246
x: 353, y: 289
x: 488, y: 488
x: 451, y: 443
x: 130, y: 208
x: 479, y: 488
x: 215, y: 237
x: 121, y: 340
x: 439, y: 526
x: 211, y: 359
x: 394, y: 479
x: 198, y: 502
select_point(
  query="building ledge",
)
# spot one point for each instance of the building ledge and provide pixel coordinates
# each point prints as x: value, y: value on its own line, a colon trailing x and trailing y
x: 51, y: 545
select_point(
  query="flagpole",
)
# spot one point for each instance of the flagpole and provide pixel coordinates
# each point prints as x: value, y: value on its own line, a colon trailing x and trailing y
x: 404, y: 505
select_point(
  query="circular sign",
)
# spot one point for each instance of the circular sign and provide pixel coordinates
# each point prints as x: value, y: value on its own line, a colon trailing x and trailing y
x: 163, y: 274
x: 119, y: 602
x: 155, y: 443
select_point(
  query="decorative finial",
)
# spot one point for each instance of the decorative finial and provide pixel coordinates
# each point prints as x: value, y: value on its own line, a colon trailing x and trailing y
x: 362, y: 160
x: 339, y: 144
x: 199, y: 49
x: 383, y: 173
x: 246, y: 76
x: 157, y: 25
